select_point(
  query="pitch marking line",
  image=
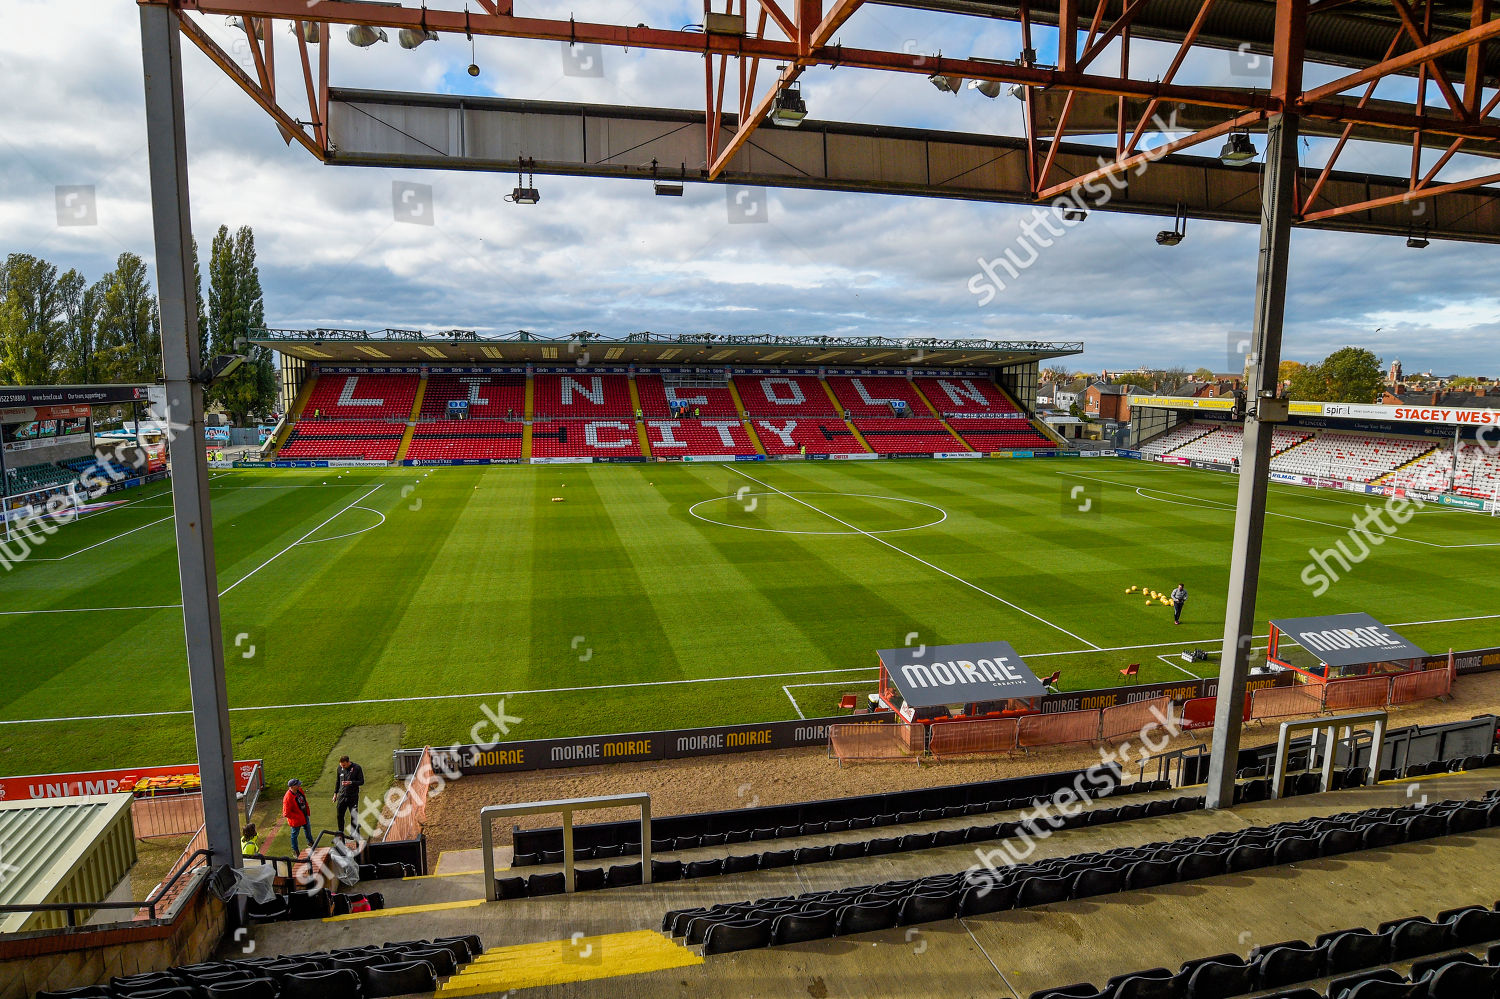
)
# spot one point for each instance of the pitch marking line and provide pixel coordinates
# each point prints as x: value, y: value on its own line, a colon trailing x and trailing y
x: 1171, y: 661
x: 117, y: 537
x: 1203, y: 504
x: 903, y: 551
x: 612, y: 686
x: 351, y: 534
x: 299, y: 541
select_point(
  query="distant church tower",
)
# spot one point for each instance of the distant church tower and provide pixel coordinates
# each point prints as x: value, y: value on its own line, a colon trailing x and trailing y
x: 1395, y: 375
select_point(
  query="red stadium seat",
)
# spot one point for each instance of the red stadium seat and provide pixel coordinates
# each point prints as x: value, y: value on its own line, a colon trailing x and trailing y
x: 679, y: 438
x: 874, y: 395
x: 790, y: 435
x: 584, y: 439
x: 955, y: 396
x: 1000, y: 434
x: 661, y: 400
x: 361, y: 397
x: 471, y: 438
x: 783, y: 395
x: 581, y: 395
x: 498, y: 395
x: 913, y: 435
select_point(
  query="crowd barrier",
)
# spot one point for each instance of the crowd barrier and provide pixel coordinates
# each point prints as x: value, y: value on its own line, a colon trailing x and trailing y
x: 1411, y: 687
x: 1349, y: 695
x: 875, y: 741
x: 1198, y: 713
x: 1283, y: 702
x: 1343, y: 695
x: 1131, y: 719
x: 987, y: 735
x: 408, y: 818
x: 1060, y: 729
x: 167, y: 816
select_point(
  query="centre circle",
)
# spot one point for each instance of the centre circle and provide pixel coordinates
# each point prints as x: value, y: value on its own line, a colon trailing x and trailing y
x: 942, y: 514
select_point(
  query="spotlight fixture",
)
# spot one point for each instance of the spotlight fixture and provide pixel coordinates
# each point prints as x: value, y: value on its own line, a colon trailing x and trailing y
x: 1178, y: 232
x: 788, y: 107
x: 1238, y: 150
x: 1075, y: 214
x: 473, y: 58
x: 947, y: 84
x: 666, y: 188
x: 238, y: 23
x: 1417, y: 241
x: 310, y: 33
x: 525, y: 192
x: 410, y: 38
x: 362, y: 36
x: 989, y: 88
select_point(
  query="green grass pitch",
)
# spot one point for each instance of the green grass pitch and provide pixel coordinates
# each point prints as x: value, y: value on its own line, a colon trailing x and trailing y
x: 619, y: 598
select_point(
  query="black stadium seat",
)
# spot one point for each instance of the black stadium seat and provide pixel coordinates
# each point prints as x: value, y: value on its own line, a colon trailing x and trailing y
x: 336, y: 983
x: 398, y: 979
x: 797, y: 927
x: 865, y: 918
x: 738, y: 934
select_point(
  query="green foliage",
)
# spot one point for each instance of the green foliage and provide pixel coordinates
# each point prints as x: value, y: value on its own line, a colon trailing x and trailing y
x: 1349, y: 374
x: 236, y: 307
x: 32, y: 320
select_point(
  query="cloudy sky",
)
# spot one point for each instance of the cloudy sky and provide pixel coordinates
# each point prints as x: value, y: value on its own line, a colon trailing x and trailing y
x: 610, y: 257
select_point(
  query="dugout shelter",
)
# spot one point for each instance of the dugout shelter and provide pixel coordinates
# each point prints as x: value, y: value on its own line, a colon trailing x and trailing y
x: 1345, y: 646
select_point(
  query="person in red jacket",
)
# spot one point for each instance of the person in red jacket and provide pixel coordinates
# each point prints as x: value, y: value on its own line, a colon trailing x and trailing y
x: 298, y: 813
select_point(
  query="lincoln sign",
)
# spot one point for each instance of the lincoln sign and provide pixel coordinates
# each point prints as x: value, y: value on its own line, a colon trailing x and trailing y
x: 959, y: 674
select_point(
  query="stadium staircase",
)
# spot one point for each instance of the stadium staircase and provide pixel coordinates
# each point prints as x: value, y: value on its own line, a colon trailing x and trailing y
x: 839, y: 407
x: 411, y: 424
x: 1407, y: 465
x: 529, y: 411
x: 739, y: 408
x: 1148, y: 881
x: 640, y: 426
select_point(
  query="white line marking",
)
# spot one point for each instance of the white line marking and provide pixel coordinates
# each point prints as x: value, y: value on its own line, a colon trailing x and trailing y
x: 448, y: 697
x: 1170, y: 661
x: 294, y: 544
x: 351, y: 534
x: 693, y: 512
x: 915, y: 558
x: 795, y: 706
x: 117, y: 537
x: 1201, y: 503
x: 91, y: 610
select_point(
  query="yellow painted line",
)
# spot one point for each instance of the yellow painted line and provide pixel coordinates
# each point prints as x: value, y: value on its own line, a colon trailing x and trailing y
x: 451, y: 874
x: 557, y: 962
x: 402, y: 910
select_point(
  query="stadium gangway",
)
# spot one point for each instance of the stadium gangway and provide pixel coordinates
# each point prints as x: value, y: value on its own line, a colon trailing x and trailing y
x: 566, y: 806
x: 1342, y: 724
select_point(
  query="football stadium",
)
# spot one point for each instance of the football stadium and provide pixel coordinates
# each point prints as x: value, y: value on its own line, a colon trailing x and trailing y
x: 693, y: 664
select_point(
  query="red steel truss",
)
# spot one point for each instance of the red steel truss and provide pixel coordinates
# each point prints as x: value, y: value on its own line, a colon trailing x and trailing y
x: 801, y: 35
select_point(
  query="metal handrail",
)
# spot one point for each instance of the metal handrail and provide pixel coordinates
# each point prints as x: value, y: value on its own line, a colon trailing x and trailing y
x: 150, y: 904
x: 1343, y: 724
x: 566, y: 806
x: 1164, y: 762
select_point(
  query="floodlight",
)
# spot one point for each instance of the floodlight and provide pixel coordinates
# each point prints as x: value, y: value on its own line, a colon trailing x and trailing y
x: 1238, y: 150
x: 362, y: 36
x: 947, y: 84
x: 410, y: 38
x: 989, y: 88
x: 788, y: 107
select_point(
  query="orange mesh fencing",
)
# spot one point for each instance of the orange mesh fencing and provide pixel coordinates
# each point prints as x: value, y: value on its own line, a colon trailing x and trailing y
x: 1198, y: 712
x: 1059, y: 729
x: 1131, y: 719
x: 1410, y: 687
x: 987, y: 735
x: 1365, y: 692
x: 1279, y: 702
x: 875, y: 741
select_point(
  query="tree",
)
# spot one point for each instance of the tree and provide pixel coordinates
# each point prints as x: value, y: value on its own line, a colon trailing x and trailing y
x: 1287, y: 369
x: 1349, y: 374
x: 32, y: 320
x: 1053, y: 375
x: 129, y: 335
x: 236, y: 309
x: 1203, y: 375
x: 82, y: 305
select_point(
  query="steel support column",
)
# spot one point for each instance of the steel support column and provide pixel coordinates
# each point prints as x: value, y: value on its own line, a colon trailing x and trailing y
x: 1279, y: 196
x: 166, y: 144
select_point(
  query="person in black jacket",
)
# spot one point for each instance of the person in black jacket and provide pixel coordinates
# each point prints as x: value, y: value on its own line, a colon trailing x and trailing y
x: 350, y: 778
